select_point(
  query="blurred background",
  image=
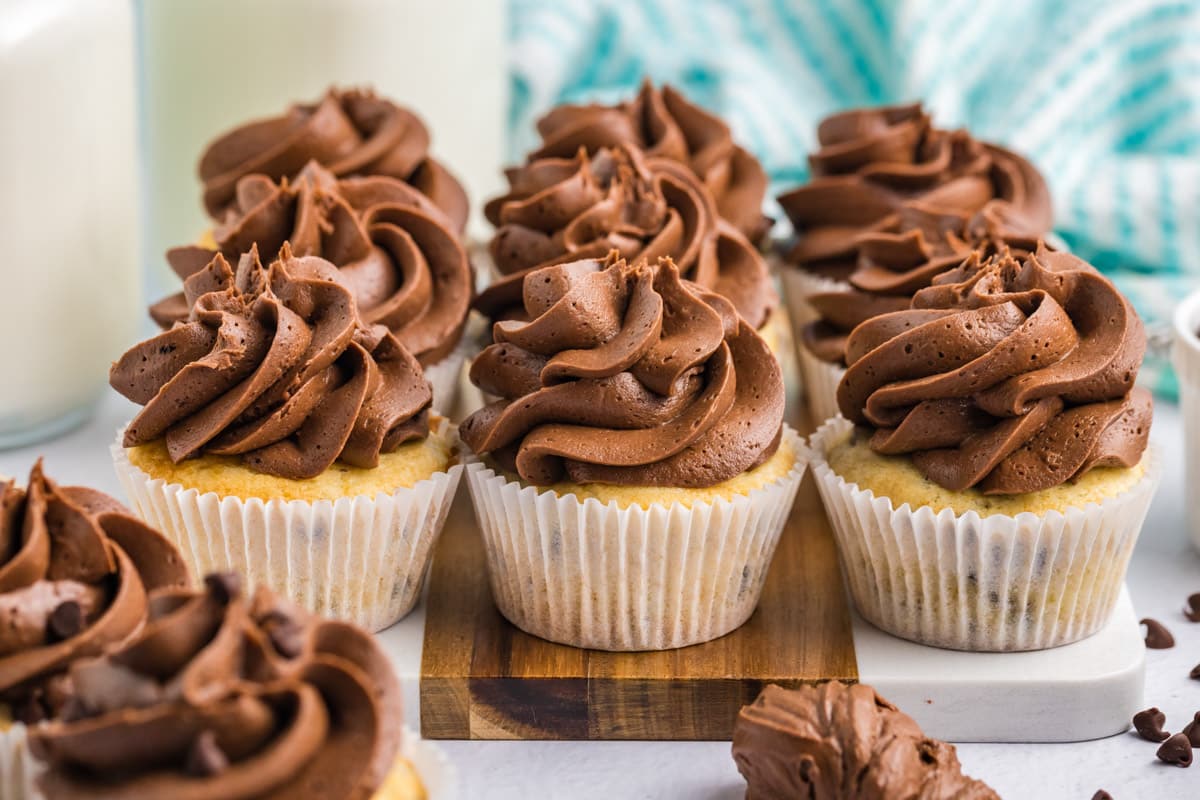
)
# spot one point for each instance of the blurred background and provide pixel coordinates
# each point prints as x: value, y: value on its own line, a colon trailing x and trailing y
x: 108, y: 104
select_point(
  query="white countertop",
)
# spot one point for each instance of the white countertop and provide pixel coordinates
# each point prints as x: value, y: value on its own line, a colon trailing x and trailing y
x: 1164, y: 572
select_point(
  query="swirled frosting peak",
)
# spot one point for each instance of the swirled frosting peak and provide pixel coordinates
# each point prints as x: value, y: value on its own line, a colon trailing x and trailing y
x: 224, y: 697
x: 872, y: 162
x: 350, y: 132
x: 664, y: 123
x: 394, y: 249
x: 626, y: 374
x: 274, y: 365
x: 1010, y: 375
x: 75, y: 570
x: 560, y: 210
x: 843, y: 742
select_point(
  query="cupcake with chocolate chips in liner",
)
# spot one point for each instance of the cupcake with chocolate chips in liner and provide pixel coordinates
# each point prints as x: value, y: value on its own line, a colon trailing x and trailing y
x: 872, y: 162
x: 397, y: 252
x: 226, y: 696
x: 285, y: 438
x: 636, y: 472
x: 75, y: 572
x: 991, y: 474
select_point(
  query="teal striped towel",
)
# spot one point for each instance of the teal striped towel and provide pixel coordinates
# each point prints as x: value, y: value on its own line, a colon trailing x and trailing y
x: 1103, y: 95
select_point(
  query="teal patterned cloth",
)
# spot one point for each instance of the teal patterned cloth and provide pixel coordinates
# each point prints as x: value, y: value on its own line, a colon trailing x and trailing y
x: 1102, y: 95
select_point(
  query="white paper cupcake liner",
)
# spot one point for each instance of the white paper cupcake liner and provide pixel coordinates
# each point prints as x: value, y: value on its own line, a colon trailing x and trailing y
x: 597, y: 576
x: 821, y: 380
x: 437, y: 773
x: 361, y: 559
x: 1187, y: 369
x: 18, y: 769
x: 965, y: 582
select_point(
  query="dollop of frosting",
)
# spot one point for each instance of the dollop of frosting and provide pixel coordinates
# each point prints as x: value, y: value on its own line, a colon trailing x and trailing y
x: 559, y: 210
x: 893, y: 264
x: 350, y: 132
x: 872, y: 162
x: 75, y: 570
x: 274, y: 365
x: 626, y: 374
x: 843, y: 742
x: 394, y: 249
x: 1010, y: 375
x: 228, y: 698
x: 664, y: 123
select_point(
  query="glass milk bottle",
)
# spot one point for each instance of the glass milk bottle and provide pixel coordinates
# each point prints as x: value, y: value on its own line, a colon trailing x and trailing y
x: 209, y: 66
x: 69, y: 268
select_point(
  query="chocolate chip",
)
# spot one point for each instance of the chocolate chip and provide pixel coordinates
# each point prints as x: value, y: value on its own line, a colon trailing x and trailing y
x: 66, y: 620
x: 223, y: 586
x: 1149, y: 725
x: 1102, y: 795
x: 205, y: 757
x: 1192, y: 612
x: 1177, y: 750
x: 1157, y: 635
x: 1192, y: 730
x: 1195, y: 673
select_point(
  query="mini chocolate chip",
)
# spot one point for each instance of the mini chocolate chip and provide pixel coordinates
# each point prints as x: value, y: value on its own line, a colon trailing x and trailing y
x: 1157, y: 635
x: 205, y: 757
x: 1195, y: 673
x: 30, y: 710
x: 1192, y: 730
x: 1149, y: 725
x: 1192, y: 612
x: 66, y: 620
x: 1102, y: 795
x: 1177, y: 750
x: 223, y: 586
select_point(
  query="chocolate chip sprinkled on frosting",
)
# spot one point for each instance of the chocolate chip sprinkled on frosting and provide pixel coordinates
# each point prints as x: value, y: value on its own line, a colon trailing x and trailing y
x: 1176, y: 751
x: 663, y: 123
x: 274, y: 365
x: 1157, y: 635
x: 626, y: 374
x: 1149, y: 725
x: 1009, y: 375
x: 347, y: 132
x: 843, y: 742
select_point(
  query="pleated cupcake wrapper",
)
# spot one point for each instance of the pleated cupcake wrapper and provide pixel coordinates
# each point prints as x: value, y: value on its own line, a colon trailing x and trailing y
x: 1187, y: 369
x: 18, y: 769
x: 597, y: 576
x: 965, y: 582
x: 361, y: 559
x: 798, y: 284
x: 437, y: 773
x: 821, y: 381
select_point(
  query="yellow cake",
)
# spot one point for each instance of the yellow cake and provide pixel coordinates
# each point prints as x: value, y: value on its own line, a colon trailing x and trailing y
x: 402, y: 783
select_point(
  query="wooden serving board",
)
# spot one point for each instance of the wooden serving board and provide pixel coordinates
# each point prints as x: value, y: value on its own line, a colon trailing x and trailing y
x: 482, y: 678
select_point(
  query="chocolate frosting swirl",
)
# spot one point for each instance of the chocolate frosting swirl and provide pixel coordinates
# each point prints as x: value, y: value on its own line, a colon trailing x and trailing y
x: 274, y: 365
x: 626, y: 374
x: 874, y: 161
x: 843, y: 742
x: 895, y: 263
x: 663, y: 123
x: 349, y: 133
x: 1010, y: 375
x: 560, y: 210
x: 227, y: 698
x: 75, y: 568
x: 394, y: 249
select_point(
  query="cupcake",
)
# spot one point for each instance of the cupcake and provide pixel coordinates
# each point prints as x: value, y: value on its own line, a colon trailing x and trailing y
x: 870, y: 164
x: 223, y: 696
x: 75, y: 572
x: 990, y: 476
x: 663, y: 123
x: 636, y: 473
x: 283, y: 437
x: 395, y: 250
x: 560, y: 210
x: 892, y: 265
x: 839, y: 741
x: 349, y: 132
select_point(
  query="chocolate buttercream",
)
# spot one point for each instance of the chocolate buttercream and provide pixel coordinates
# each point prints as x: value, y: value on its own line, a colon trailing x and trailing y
x: 274, y: 365
x: 664, y: 123
x: 626, y: 374
x: 75, y: 569
x: 843, y: 742
x: 227, y: 698
x: 349, y: 133
x: 1009, y: 375
x: 872, y: 162
x: 394, y: 249
x: 559, y: 210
